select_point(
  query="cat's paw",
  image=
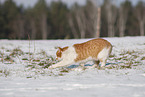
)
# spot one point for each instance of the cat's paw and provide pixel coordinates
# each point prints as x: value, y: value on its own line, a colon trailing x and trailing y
x: 51, y: 67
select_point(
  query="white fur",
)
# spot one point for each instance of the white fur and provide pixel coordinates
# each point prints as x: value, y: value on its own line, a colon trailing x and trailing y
x: 68, y: 58
x: 103, y: 55
x: 85, y: 60
x: 69, y: 54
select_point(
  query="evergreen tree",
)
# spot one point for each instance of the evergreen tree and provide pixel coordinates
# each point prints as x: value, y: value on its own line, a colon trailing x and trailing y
x: 59, y: 24
x: 10, y: 13
x: 2, y: 23
x: 40, y: 10
x: 131, y: 23
x: 104, y: 26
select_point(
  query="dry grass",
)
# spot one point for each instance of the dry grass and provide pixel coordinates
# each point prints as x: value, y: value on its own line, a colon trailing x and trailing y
x: 41, y: 60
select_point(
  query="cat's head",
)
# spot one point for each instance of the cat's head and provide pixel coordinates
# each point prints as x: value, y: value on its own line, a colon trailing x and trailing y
x: 60, y: 51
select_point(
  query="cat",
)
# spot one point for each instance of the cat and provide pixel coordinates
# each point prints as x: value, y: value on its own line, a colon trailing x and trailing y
x: 97, y: 50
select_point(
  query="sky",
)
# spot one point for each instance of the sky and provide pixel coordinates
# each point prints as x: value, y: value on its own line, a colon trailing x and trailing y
x: 31, y: 3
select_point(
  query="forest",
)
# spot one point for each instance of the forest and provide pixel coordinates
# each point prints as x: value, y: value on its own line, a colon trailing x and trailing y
x: 58, y: 21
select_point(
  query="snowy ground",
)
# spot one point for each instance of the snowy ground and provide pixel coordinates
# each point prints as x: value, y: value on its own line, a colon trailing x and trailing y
x: 24, y: 72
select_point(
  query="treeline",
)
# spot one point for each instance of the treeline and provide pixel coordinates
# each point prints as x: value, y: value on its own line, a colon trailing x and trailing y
x: 58, y: 21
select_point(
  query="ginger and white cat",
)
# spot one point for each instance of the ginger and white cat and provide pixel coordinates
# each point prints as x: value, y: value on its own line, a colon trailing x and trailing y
x: 97, y: 50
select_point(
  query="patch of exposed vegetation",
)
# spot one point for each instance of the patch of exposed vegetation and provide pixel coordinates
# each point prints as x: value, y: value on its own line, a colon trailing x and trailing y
x: 16, y: 52
x: 143, y: 58
x: 41, y: 60
x: 4, y: 72
x: 127, y: 60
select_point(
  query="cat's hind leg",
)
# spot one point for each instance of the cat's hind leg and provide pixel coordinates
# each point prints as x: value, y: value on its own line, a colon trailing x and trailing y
x: 96, y: 63
x: 103, y: 62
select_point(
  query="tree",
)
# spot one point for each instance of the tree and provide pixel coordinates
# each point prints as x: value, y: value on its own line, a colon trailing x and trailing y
x: 78, y: 21
x: 104, y: 22
x: 10, y: 16
x: 30, y: 19
x: 111, y: 12
x: 59, y: 23
x: 140, y: 14
x: 41, y: 10
x: 85, y: 17
x: 97, y: 18
x: 20, y: 23
x: 2, y: 23
x: 72, y: 21
x: 81, y: 21
x: 123, y: 14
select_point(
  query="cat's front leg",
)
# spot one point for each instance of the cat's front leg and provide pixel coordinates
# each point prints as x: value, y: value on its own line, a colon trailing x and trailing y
x: 61, y: 64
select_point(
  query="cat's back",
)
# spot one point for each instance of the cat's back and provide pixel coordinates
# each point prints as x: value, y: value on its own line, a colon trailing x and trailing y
x: 93, y: 43
x: 91, y: 48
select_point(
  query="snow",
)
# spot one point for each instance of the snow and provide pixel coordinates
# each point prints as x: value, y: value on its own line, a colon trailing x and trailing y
x: 116, y: 80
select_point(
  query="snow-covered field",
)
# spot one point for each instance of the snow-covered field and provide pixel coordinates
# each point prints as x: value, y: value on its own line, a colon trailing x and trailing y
x: 24, y: 70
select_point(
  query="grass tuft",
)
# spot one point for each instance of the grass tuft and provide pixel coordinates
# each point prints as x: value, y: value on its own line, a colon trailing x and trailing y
x: 143, y: 58
x: 4, y: 73
x: 16, y: 52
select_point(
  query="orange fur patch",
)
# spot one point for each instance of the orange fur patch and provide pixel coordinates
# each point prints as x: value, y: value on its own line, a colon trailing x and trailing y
x: 59, y: 52
x: 90, y: 48
x: 65, y: 48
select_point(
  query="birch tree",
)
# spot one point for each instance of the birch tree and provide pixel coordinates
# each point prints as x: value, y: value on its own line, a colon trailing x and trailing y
x: 78, y: 21
x: 72, y: 25
x: 81, y: 21
x: 111, y: 12
x: 123, y: 14
x: 96, y: 17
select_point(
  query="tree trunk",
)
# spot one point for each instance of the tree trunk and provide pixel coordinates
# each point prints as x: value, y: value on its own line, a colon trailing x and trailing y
x: 111, y: 18
x: 141, y: 28
x: 121, y: 29
x: 21, y: 27
x: 33, y: 29
x: 123, y: 14
x: 72, y: 26
x: 98, y: 22
x: 44, y: 26
x: 82, y: 34
x: 81, y: 21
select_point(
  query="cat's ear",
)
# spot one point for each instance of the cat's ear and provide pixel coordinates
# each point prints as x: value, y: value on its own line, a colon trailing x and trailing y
x: 60, y: 48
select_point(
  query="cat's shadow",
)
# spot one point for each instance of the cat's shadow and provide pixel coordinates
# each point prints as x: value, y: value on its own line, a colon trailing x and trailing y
x: 75, y: 66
